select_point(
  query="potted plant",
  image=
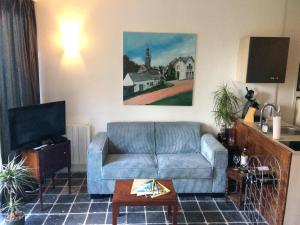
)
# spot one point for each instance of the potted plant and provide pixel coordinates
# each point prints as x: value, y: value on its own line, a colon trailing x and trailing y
x: 225, y: 109
x: 14, y: 177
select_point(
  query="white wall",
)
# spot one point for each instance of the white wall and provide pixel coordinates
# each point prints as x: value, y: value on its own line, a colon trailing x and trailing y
x: 93, y: 87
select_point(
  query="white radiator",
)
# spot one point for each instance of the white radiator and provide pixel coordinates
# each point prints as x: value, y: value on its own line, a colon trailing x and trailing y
x: 79, y: 135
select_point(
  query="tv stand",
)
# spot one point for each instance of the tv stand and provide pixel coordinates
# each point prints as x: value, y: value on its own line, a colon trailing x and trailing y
x: 46, y: 161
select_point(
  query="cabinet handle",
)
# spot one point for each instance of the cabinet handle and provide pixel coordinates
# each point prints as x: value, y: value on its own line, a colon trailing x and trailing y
x: 272, y: 78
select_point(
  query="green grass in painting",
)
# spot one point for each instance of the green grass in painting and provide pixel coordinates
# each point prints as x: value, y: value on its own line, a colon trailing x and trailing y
x: 184, y: 99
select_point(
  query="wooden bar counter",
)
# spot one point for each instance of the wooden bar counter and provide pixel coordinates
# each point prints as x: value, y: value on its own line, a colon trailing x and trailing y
x: 263, y: 145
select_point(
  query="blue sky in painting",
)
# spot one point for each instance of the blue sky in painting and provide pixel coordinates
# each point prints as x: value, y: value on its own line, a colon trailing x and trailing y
x: 164, y: 47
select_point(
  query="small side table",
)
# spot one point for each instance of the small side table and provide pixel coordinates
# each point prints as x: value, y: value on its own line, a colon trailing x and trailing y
x: 238, y: 195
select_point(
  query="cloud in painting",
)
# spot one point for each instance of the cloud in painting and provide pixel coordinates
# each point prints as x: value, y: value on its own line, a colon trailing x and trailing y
x: 164, y: 47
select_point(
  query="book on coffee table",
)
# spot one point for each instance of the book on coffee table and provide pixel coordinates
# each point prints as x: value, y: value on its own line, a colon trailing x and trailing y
x: 142, y: 186
x: 148, y: 187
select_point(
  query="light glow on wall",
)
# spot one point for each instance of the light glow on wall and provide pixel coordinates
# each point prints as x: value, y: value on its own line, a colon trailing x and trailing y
x: 72, y: 37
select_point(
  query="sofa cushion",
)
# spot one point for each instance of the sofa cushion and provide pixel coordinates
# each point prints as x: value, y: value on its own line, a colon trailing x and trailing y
x: 183, y: 166
x: 177, y: 137
x: 131, y: 137
x: 129, y: 166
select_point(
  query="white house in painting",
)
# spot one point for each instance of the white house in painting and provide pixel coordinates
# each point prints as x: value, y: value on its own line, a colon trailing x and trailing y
x: 141, y: 81
x: 184, y: 67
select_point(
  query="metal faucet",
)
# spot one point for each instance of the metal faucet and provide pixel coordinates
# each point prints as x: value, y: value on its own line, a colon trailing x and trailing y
x: 262, y: 112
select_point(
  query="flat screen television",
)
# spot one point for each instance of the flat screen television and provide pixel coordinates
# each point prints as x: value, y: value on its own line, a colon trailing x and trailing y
x: 30, y: 125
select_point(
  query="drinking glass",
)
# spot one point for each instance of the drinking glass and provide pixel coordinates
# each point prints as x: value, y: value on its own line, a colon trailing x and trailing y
x: 236, y: 159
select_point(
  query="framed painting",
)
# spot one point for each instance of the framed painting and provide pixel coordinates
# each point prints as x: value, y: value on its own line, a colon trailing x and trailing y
x: 158, y: 68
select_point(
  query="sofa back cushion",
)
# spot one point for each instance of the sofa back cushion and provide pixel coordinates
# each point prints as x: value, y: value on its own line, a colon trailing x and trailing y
x: 177, y: 137
x: 131, y: 137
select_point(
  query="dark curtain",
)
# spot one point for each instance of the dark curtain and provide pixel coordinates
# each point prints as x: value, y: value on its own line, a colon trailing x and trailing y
x: 19, y: 77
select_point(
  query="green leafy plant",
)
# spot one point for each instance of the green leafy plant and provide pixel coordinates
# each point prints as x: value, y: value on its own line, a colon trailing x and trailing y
x: 226, y: 106
x: 14, y: 177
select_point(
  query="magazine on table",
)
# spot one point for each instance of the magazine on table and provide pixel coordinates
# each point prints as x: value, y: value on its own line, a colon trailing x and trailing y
x: 148, y: 187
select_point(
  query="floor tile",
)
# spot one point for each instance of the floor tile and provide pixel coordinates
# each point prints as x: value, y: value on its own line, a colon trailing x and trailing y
x: 208, y: 206
x: 98, y: 207
x: 80, y: 208
x: 46, y: 208
x: 55, y: 190
x: 35, y: 220
x: 61, y: 175
x: 66, y: 198
x: 136, y: 218
x: 78, y: 175
x: 155, y: 217
x: 55, y: 219
x: 224, y: 205
x: 60, y: 208
x: 121, y: 219
x: 96, y: 218
x: 244, y: 224
x: 203, y: 198
x: 77, y: 182
x: 213, y: 217
x: 154, y: 208
x: 135, y: 208
x: 74, y: 190
x: 83, y: 189
x: 27, y: 208
x: 75, y: 219
x: 190, y: 206
x: 83, y: 198
x: 49, y: 198
x: 60, y: 182
x: 194, y: 209
x: 233, y: 217
x: 194, y: 217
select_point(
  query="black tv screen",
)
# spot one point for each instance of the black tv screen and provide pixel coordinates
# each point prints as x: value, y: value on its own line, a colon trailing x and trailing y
x: 32, y: 124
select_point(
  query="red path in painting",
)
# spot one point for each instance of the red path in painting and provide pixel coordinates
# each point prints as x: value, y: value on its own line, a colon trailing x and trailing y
x: 179, y: 87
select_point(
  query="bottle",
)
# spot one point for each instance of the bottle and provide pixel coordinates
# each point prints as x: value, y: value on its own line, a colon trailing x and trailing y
x: 244, y: 158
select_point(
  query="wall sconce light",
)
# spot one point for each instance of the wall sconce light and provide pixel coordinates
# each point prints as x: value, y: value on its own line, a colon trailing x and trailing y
x: 71, y: 38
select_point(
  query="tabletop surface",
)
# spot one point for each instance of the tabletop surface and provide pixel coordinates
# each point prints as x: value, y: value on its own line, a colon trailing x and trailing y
x: 123, y: 188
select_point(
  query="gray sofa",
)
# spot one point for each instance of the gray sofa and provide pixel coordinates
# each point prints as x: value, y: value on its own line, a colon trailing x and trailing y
x: 165, y: 150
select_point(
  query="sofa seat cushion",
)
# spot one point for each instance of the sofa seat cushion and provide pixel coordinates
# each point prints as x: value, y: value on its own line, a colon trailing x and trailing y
x: 129, y: 166
x: 183, y: 166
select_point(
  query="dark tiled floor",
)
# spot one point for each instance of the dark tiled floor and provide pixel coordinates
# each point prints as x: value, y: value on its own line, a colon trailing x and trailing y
x: 77, y: 208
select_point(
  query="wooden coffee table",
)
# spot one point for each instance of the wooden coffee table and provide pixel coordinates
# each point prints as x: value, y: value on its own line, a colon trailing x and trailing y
x: 122, y: 197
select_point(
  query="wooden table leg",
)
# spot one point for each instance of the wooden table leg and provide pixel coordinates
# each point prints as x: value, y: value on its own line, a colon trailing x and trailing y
x: 115, y: 213
x: 169, y: 210
x: 174, y: 212
x: 240, y: 190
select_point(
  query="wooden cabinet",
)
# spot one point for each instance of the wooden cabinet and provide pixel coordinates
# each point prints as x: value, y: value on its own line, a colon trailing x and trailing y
x: 262, y: 59
x: 46, y: 161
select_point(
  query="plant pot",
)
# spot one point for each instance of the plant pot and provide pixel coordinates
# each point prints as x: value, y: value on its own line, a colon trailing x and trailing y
x: 21, y: 221
x: 230, y: 136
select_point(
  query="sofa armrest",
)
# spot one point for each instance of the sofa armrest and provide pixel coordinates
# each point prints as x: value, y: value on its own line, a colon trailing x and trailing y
x: 214, y: 151
x: 217, y: 155
x: 96, y: 153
